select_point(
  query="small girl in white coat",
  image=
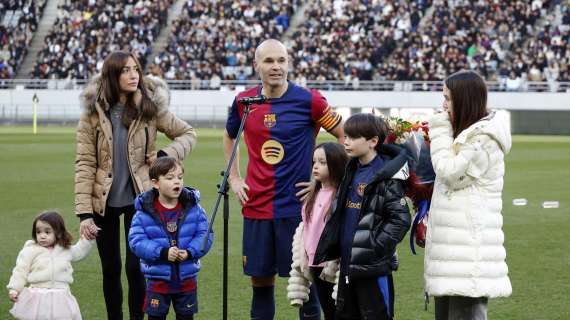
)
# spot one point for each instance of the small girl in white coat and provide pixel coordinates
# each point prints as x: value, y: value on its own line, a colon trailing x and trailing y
x: 45, y: 265
x: 329, y: 162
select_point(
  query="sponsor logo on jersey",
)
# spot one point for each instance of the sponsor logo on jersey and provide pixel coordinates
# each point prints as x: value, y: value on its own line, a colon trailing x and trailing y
x: 272, y: 152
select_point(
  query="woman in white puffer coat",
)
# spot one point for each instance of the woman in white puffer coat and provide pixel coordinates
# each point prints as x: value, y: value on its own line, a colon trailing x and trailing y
x: 464, y: 262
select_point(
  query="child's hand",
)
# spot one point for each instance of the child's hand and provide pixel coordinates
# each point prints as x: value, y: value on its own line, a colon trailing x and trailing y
x: 182, y: 255
x: 88, y: 229
x: 13, y: 295
x: 172, y: 254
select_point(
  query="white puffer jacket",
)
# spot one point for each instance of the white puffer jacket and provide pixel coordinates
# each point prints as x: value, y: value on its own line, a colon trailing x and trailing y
x: 464, y: 254
x: 41, y: 268
x: 300, y: 277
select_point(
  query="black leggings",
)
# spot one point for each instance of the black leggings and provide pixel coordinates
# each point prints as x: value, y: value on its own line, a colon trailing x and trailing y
x: 108, y: 244
x: 324, y: 291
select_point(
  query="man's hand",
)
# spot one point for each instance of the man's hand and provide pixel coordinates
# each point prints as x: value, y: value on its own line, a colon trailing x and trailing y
x: 182, y: 255
x: 173, y: 254
x: 304, y: 192
x: 88, y: 229
x: 240, y: 189
x: 13, y: 295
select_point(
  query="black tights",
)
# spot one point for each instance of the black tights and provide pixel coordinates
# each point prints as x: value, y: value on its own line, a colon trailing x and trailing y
x: 108, y: 244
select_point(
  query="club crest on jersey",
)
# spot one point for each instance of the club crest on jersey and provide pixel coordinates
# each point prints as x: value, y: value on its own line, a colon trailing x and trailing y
x: 360, y: 189
x: 171, y: 226
x: 270, y: 120
x: 272, y: 152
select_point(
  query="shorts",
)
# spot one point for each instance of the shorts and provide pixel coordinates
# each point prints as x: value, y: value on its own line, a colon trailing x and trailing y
x: 158, y: 304
x: 267, y: 246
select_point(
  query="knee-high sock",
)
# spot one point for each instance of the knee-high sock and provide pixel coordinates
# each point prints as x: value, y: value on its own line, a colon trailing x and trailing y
x: 263, y: 303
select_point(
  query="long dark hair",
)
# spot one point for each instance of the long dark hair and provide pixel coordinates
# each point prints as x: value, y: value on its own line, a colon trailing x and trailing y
x: 54, y: 219
x: 336, y: 162
x: 112, y: 68
x: 468, y: 97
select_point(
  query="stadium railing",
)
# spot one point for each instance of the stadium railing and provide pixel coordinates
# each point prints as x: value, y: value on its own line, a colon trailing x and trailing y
x: 338, y: 85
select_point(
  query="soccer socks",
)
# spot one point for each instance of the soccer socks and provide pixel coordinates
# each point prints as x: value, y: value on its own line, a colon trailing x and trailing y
x: 311, y: 310
x: 263, y: 303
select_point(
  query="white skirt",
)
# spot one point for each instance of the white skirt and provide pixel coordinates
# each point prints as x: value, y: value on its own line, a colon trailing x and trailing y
x: 46, y: 304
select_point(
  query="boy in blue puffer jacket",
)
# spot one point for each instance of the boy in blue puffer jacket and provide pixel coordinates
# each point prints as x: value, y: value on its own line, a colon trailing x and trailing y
x: 167, y: 234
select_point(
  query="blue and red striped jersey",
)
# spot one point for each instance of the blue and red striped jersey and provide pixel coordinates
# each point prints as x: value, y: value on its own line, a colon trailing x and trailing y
x: 280, y: 137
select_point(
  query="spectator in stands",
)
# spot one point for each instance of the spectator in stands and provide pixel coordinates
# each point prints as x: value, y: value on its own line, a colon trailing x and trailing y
x: 514, y: 82
x: 116, y: 138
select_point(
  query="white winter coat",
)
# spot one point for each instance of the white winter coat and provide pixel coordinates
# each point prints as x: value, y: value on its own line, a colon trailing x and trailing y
x: 300, y: 277
x: 41, y: 268
x: 464, y: 254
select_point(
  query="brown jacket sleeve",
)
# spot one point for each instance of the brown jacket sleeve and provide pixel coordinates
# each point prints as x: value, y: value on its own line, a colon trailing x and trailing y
x: 85, y: 165
x: 178, y: 130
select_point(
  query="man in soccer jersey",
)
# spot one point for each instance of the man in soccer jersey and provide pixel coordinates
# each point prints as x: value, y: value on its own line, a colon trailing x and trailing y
x: 280, y: 136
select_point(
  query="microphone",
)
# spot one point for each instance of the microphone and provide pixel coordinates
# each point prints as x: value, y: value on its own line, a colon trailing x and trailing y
x: 253, y: 100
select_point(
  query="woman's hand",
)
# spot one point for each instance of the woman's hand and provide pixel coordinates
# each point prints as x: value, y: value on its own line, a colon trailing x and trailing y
x: 13, y: 295
x: 150, y: 158
x: 88, y: 229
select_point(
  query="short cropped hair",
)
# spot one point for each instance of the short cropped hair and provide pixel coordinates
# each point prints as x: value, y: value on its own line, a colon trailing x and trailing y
x: 161, y: 166
x: 368, y: 126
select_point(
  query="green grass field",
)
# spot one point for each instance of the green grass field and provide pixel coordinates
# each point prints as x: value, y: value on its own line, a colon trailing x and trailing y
x: 37, y: 174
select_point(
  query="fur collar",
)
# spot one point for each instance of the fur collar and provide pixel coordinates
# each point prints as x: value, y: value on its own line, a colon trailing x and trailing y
x: 157, y: 90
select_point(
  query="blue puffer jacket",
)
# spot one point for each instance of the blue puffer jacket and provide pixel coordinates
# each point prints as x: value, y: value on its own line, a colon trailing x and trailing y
x: 148, y: 235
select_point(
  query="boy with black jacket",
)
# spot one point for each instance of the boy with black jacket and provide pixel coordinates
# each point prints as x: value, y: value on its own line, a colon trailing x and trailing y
x: 369, y: 218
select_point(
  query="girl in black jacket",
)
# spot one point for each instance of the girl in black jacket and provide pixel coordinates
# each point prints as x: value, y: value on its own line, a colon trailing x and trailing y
x: 369, y: 218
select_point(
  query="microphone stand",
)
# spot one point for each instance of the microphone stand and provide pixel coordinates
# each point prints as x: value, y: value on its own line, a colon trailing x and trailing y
x: 223, y: 191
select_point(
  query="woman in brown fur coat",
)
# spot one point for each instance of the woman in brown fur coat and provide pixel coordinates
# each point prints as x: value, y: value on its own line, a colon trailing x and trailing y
x: 116, y: 138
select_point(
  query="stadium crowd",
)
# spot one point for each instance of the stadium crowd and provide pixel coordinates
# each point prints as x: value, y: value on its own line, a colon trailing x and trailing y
x: 215, y: 40
x: 501, y: 40
x: 511, y: 42
x: 349, y: 40
x: 20, y: 20
x: 87, y: 30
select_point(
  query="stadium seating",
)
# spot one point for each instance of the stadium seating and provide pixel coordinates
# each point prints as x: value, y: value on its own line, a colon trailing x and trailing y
x: 87, y: 30
x: 215, y: 40
x: 19, y: 20
x: 513, y: 43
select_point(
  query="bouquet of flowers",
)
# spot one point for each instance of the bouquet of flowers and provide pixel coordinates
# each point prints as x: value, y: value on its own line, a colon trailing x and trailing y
x: 413, y: 137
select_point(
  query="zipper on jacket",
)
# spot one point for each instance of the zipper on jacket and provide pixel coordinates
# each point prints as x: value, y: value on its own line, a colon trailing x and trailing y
x: 146, y: 144
x: 52, y: 269
x: 97, y: 149
x: 132, y: 175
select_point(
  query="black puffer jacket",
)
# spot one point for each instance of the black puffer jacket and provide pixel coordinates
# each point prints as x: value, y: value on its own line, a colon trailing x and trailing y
x: 383, y: 222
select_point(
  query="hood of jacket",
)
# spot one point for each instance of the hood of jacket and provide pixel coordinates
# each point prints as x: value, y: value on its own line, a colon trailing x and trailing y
x: 495, y: 125
x: 145, y: 201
